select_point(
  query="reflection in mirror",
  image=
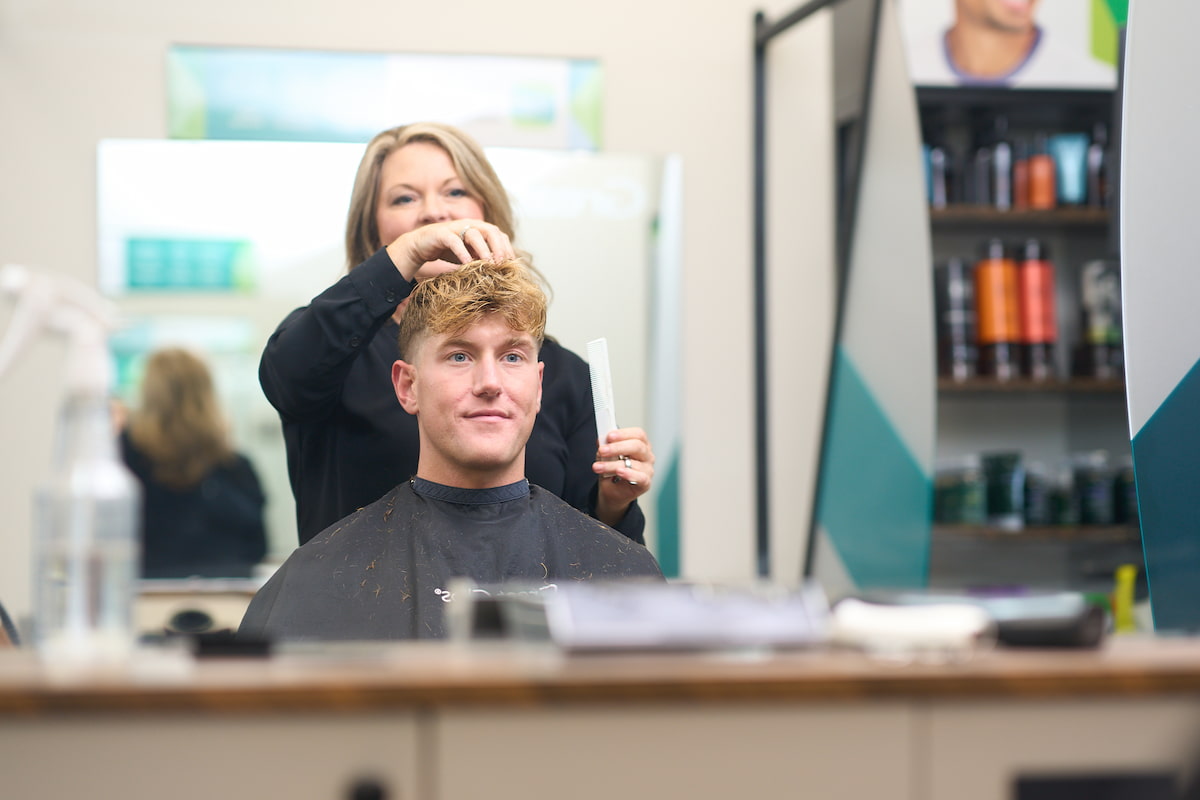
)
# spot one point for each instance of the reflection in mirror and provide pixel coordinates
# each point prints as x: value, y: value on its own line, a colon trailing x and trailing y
x: 210, y: 244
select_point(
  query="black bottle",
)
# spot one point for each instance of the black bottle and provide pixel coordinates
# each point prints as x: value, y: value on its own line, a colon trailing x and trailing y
x: 1002, y: 165
x: 939, y: 176
x: 954, y: 301
x: 981, y: 176
x: 1097, y: 167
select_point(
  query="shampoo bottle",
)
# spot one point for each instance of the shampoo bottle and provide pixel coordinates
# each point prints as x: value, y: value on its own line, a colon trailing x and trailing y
x: 1002, y: 166
x: 996, y: 312
x: 1043, y: 191
x: 1039, y: 325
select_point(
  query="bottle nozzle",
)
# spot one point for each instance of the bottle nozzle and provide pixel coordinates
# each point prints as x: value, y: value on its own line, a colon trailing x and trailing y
x: 63, y: 305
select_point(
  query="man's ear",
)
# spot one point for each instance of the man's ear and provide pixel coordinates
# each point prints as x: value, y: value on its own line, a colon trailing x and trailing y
x: 404, y: 378
x: 541, y: 371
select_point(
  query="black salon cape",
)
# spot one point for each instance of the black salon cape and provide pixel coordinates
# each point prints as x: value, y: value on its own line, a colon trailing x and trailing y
x: 327, y: 370
x: 385, y: 571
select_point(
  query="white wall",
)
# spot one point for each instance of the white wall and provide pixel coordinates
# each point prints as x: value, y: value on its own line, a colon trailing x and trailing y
x: 677, y: 79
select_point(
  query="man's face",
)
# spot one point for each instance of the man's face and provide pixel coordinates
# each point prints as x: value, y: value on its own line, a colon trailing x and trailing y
x: 1012, y: 16
x: 475, y: 396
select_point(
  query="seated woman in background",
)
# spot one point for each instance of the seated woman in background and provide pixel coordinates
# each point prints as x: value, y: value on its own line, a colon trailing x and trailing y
x: 202, y: 505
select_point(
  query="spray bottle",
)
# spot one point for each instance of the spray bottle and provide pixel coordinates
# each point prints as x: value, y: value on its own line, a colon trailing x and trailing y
x: 86, y: 513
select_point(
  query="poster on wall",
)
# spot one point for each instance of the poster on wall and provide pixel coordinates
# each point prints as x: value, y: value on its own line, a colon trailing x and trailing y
x: 1022, y: 44
x: 261, y: 94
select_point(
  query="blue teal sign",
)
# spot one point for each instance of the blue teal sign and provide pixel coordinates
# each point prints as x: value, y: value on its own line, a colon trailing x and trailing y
x: 214, y: 265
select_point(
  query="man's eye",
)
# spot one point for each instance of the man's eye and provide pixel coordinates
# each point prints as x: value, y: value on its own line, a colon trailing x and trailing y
x: 514, y: 358
x: 458, y: 357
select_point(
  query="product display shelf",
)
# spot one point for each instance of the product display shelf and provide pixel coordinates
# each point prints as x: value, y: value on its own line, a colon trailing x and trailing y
x: 982, y: 413
x: 1092, y: 533
x: 971, y: 216
x: 1075, y: 385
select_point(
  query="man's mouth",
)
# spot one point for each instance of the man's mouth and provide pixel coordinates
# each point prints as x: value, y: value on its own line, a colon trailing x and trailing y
x: 487, y: 413
x: 1019, y: 6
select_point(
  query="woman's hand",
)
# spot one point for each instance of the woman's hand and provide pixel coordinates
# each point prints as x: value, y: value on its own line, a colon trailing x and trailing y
x: 443, y: 246
x: 626, y: 466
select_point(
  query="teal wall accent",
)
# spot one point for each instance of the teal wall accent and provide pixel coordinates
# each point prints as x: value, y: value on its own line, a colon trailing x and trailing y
x: 1168, y: 489
x: 667, y: 516
x: 876, y: 502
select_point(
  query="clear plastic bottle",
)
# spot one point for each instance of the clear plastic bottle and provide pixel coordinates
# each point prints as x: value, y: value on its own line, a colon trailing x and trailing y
x: 87, y: 543
x: 86, y: 512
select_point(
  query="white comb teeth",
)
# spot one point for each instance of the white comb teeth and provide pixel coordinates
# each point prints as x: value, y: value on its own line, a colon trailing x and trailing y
x: 602, y: 391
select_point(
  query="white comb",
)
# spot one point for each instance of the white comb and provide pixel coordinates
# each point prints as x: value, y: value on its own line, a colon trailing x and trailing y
x: 602, y: 391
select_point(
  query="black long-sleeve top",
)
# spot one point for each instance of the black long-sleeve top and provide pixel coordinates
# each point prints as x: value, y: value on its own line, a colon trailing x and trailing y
x: 327, y: 370
x: 214, y: 529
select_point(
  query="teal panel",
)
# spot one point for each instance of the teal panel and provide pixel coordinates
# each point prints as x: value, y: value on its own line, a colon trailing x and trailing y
x: 1168, y: 489
x: 666, y: 516
x: 875, y: 502
x: 189, y: 264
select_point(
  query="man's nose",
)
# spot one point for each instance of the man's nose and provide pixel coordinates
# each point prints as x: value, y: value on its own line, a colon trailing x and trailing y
x: 487, y: 377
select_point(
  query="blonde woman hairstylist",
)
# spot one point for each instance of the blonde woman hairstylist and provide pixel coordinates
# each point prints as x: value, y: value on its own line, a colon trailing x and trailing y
x: 425, y: 200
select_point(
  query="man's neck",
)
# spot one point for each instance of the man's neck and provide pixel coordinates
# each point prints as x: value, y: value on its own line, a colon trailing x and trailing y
x: 466, y: 478
x: 471, y: 497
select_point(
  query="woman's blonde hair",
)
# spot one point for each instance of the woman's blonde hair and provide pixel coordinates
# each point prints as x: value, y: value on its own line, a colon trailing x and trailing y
x: 179, y: 425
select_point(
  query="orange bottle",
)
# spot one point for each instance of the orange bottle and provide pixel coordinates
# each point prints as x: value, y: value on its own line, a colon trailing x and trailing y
x: 1043, y: 192
x: 1020, y: 179
x: 1039, y: 322
x: 997, y: 314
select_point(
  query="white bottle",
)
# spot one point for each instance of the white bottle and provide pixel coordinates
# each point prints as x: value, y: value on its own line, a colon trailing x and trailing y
x: 87, y: 538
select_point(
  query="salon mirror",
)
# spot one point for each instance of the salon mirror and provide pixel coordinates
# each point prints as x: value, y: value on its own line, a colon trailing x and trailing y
x: 209, y: 244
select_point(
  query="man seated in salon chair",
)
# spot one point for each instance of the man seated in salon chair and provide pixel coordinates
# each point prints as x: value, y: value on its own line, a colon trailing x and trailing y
x: 469, y: 343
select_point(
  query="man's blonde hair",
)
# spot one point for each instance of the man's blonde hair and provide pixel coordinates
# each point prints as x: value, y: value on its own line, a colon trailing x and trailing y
x: 454, y: 301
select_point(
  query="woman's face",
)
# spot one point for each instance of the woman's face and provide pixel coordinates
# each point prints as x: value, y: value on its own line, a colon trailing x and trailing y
x: 417, y: 186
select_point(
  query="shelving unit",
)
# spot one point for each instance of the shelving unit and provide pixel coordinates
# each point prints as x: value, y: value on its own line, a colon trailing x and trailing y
x: 960, y: 217
x: 987, y: 386
x: 1046, y: 421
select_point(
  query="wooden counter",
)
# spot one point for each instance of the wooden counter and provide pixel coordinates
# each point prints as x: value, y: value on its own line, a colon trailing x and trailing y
x: 424, y: 676
x: 437, y: 721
